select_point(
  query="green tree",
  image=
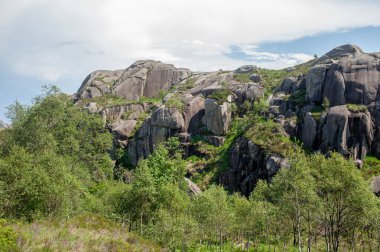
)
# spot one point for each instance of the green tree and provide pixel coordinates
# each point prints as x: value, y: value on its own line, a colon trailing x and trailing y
x: 347, y: 200
x: 294, y: 192
x: 212, y: 212
x: 37, y: 185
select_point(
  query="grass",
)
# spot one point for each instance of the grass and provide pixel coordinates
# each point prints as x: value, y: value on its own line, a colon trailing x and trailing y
x: 220, y: 95
x: 81, y: 233
x: 111, y: 100
x: 242, y: 77
x: 267, y: 134
x: 175, y: 101
x: 316, y: 113
x: 298, y: 97
x: 356, y: 108
x: 371, y: 167
x: 189, y: 84
x: 140, y: 120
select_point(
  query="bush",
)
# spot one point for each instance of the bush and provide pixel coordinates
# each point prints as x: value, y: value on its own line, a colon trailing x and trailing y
x: 242, y: 78
x: 189, y: 84
x: 356, y: 108
x: 220, y: 95
x: 8, y: 236
x: 176, y: 102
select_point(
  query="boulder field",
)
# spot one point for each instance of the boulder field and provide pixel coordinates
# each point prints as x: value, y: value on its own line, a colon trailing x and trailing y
x: 333, y: 106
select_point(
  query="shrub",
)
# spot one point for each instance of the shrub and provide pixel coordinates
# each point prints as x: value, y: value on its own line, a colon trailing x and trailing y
x: 175, y: 102
x: 8, y: 237
x: 242, y: 78
x: 268, y: 135
x: 356, y: 108
x: 220, y: 95
x: 189, y: 84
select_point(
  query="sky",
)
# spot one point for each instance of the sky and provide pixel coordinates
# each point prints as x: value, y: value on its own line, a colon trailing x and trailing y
x: 61, y: 41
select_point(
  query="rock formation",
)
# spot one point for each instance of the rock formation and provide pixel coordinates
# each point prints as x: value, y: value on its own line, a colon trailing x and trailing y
x: 337, y: 106
x: 331, y: 107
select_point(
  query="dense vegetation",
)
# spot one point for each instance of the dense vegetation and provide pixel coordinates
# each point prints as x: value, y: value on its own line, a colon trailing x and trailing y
x: 58, y: 191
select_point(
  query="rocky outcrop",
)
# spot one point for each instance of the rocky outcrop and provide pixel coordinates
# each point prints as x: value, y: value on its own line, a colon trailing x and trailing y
x: 344, y: 76
x: 217, y: 116
x: 143, y: 78
x: 246, y: 69
x: 193, y: 189
x: 248, y: 164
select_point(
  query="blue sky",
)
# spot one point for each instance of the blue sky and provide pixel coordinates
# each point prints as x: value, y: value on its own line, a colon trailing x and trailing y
x: 60, y: 42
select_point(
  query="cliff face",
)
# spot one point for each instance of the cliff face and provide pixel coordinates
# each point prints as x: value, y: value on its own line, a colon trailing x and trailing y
x: 338, y: 108
x: 333, y: 107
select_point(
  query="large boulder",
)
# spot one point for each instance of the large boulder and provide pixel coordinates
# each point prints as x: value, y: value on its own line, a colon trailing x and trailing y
x: 349, y: 133
x: 288, y: 86
x: 315, y: 80
x: 339, y: 52
x: 246, y: 69
x: 143, y: 78
x: 193, y: 113
x: 248, y: 164
x: 248, y: 91
x: 217, y: 116
x: 309, y: 131
x: 376, y: 185
x: 162, y: 124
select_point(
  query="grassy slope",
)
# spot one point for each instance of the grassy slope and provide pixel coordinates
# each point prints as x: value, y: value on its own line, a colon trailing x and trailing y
x: 81, y: 233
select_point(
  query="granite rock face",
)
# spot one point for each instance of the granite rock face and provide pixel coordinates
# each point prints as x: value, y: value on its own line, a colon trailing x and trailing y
x: 143, y: 78
x: 248, y: 164
x: 217, y: 116
x: 339, y: 111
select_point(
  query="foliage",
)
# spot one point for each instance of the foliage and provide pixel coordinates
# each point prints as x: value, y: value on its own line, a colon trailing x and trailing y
x: 8, y: 237
x: 316, y: 112
x: 371, y: 167
x: 325, y: 104
x: 220, y: 95
x: 242, y: 77
x: 189, y: 84
x: 268, y: 135
x: 175, y: 101
x: 298, y: 97
x: 81, y: 233
x: 355, y: 108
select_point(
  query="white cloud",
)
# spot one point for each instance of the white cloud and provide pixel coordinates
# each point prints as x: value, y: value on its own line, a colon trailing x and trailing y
x: 65, y: 39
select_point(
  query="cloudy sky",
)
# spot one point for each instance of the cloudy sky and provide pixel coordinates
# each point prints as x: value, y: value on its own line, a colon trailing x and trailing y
x: 61, y: 41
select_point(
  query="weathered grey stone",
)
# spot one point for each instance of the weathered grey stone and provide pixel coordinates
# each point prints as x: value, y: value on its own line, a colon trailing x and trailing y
x: 123, y: 128
x: 362, y: 78
x: 168, y: 118
x: 334, y: 87
x: 246, y: 69
x: 248, y: 164
x: 248, y: 91
x: 287, y: 86
x: 217, y: 117
x: 309, y: 131
x: 376, y: 185
x: 215, y: 140
x: 315, y: 80
x: 193, y: 188
x: 255, y: 78
x: 91, y: 107
x: 193, y: 114
x: 143, y: 78
x: 349, y: 133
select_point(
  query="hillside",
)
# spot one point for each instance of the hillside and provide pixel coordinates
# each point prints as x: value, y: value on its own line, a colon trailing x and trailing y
x: 250, y: 159
x: 329, y: 104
